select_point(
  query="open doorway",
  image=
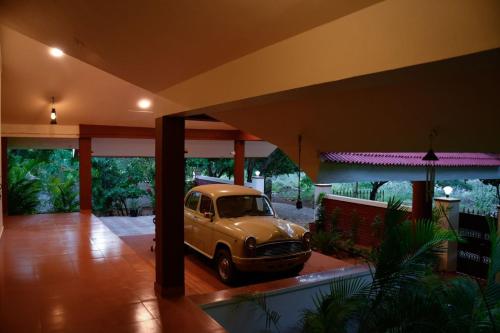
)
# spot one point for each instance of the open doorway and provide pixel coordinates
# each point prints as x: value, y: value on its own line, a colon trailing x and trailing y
x: 42, y: 181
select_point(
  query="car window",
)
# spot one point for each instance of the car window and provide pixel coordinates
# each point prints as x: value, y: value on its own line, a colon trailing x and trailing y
x: 206, y: 205
x: 243, y: 205
x: 192, y: 200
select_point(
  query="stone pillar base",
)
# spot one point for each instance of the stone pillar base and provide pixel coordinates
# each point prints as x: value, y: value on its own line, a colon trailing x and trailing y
x: 450, y: 208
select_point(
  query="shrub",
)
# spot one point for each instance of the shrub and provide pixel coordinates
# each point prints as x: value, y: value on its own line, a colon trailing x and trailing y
x: 64, y: 194
x: 326, y: 242
x: 23, y: 188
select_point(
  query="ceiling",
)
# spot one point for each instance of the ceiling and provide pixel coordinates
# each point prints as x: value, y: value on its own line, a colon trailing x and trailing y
x: 389, y: 111
x: 155, y: 44
x: 83, y: 93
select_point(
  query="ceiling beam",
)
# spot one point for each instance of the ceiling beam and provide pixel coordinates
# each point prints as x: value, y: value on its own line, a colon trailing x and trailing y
x: 124, y: 132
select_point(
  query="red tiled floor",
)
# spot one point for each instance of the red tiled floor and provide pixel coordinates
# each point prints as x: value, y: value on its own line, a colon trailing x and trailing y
x: 70, y: 273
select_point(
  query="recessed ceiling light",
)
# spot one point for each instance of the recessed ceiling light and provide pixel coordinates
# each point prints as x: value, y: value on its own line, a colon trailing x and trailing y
x: 144, y: 103
x: 55, y: 52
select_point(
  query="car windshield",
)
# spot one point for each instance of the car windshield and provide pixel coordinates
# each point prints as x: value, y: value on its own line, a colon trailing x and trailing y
x: 243, y: 205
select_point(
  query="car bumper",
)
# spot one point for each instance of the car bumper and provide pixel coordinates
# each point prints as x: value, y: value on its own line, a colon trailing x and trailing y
x: 271, y: 264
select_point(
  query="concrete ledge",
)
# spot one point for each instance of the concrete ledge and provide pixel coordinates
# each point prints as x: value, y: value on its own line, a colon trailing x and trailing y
x: 215, y: 180
x: 362, y: 201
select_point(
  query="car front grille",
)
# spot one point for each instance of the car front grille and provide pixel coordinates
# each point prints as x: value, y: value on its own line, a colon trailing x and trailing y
x: 279, y: 249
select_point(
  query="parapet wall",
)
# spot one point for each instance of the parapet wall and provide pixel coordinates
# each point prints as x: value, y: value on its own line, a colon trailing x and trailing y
x: 357, y: 216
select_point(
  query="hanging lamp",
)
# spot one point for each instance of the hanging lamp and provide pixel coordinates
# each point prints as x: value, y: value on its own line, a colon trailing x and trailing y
x: 430, y: 159
x: 53, y: 114
x: 298, y: 204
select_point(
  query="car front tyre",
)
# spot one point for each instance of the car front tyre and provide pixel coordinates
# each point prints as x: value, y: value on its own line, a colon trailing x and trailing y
x: 296, y: 270
x: 225, y: 267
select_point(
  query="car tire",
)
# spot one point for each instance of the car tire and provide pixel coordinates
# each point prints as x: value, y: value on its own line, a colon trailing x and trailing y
x: 296, y: 270
x: 225, y: 267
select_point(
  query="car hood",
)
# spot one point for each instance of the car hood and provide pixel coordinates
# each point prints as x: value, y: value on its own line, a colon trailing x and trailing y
x: 264, y: 228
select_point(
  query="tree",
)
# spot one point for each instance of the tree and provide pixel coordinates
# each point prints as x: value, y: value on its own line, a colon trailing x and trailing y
x: 495, y: 183
x: 117, y: 181
x: 211, y: 167
x: 277, y: 163
x: 375, y: 187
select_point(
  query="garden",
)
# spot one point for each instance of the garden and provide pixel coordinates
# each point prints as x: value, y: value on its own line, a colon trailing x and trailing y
x: 42, y: 181
x: 46, y: 181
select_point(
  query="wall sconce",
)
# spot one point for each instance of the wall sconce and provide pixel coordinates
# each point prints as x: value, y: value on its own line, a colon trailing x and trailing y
x: 53, y: 114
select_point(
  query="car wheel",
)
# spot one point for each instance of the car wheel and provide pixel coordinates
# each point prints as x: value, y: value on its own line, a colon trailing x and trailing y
x: 225, y: 267
x: 296, y: 270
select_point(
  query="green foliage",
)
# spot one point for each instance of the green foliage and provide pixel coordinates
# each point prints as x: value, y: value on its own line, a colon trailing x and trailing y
x: 285, y: 188
x: 53, y: 175
x: 277, y: 163
x: 116, y: 183
x: 405, y: 294
x: 259, y: 303
x: 334, y: 311
x: 475, y: 194
x: 495, y: 183
x: 211, y: 167
x: 23, y: 187
x: 320, y: 212
x: 64, y: 194
x: 326, y: 242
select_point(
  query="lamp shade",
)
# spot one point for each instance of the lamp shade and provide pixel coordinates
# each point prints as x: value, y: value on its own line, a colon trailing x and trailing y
x: 448, y: 190
x: 430, y: 156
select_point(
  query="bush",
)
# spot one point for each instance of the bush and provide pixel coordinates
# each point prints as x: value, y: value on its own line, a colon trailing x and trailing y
x: 23, y: 188
x: 64, y: 194
x: 326, y: 242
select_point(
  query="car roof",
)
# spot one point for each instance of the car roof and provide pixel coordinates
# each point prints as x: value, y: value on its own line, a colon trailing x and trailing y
x: 220, y: 190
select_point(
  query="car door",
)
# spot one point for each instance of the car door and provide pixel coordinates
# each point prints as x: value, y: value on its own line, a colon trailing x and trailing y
x: 204, y: 226
x: 190, y: 211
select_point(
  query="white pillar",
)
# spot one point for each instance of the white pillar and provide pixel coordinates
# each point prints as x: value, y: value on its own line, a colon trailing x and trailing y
x: 258, y: 183
x: 321, y: 188
x: 450, y: 207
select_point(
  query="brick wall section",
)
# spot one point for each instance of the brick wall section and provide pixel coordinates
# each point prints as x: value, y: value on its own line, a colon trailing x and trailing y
x: 366, y: 210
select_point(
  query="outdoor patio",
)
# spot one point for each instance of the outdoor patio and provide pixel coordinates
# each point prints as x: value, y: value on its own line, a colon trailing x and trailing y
x: 70, y: 272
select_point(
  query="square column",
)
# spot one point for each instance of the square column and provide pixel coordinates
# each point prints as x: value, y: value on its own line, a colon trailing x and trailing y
x: 85, y: 159
x: 258, y: 183
x: 321, y: 188
x: 169, y: 189
x: 450, y: 207
x: 239, y: 162
x: 421, y: 205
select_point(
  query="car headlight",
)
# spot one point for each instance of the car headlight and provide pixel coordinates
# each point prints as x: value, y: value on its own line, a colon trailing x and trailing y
x: 306, y: 240
x: 250, y: 246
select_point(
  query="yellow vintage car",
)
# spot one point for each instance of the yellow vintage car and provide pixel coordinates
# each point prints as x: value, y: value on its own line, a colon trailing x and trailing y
x: 237, y: 227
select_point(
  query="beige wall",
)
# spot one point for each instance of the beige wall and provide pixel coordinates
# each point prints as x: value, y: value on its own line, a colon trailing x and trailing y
x: 388, y: 35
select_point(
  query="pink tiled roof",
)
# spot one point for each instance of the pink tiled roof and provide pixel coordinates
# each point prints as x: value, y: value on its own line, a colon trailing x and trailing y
x: 414, y: 159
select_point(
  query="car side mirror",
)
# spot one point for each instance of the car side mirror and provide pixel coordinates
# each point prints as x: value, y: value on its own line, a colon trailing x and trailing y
x: 209, y: 215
